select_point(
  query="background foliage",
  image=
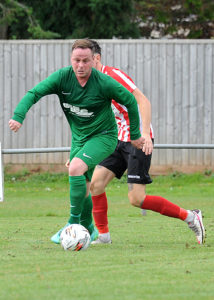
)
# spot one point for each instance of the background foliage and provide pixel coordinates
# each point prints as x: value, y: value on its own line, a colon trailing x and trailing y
x: 106, y: 19
x: 176, y: 19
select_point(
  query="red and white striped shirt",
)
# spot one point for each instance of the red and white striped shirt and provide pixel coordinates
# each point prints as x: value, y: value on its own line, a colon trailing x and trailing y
x: 120, y: 111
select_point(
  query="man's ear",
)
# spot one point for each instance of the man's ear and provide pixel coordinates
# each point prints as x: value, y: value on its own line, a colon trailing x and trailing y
x: 97, y: 57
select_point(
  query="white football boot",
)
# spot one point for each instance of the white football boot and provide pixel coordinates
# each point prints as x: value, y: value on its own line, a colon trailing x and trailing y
x: 102, y: 239
x: 197, y: 226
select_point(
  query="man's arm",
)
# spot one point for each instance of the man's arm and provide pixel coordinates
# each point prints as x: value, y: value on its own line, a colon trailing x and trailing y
x: 145, y: 112
x: 121, y: 95
x: 45, y: 87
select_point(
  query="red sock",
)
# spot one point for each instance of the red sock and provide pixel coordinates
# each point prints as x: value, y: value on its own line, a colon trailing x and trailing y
x: 164, y: 207
x: 100, y: 208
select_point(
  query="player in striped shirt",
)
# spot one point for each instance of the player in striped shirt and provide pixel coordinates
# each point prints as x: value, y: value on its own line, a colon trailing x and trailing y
x: 137, y: 162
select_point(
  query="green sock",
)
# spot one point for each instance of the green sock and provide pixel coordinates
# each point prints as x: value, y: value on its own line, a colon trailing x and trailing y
x: 86, y: 215
x: 77, y: 197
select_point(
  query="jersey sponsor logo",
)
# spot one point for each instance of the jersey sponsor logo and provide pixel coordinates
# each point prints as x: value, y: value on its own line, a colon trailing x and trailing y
x: 82, y: 112
x: 86, y: 155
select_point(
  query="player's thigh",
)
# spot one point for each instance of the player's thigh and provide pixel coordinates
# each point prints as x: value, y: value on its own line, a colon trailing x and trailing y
x: 97, y: 149
x: 117, y: 162
x: 138, y: 176
x: 100, y: 179
x: 138, y: 167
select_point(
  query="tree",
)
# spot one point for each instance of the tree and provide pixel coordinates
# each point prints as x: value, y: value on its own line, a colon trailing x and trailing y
x: 106, y: 19
x: 18, y: 22
x: 54, y: 15
x: 87, y: 18
x: 70, y: 19
x: 176, y: 18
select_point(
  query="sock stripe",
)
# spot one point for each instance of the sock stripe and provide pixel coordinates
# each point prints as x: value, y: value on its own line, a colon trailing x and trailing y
x: 77, y: 216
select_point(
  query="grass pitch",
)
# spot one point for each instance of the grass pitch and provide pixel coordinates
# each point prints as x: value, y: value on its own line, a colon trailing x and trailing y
x: 151, y: 257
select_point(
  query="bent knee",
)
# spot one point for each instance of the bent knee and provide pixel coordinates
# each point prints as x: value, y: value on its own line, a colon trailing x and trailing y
x: 77, y: 167
x: 135, y: 198
x: 97, y: 187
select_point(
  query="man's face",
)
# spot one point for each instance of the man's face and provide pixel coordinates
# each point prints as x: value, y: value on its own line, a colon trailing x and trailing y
x: 82, y: 60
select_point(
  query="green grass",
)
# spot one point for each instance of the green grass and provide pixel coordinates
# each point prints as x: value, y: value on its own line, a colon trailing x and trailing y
x: 151, y: 257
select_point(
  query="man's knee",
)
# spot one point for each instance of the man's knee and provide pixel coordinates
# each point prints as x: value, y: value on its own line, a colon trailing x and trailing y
x: 136, y: 194
x: 97, y: 187
x: 134, y: 199
x: 100, y: 179
x: 77, y: 167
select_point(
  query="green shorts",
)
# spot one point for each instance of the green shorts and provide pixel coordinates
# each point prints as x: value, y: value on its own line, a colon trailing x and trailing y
x: 94, y: 151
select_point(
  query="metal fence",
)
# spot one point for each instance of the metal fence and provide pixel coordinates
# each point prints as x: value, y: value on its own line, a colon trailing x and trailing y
x: 176, y: 75
x: 67, y: 149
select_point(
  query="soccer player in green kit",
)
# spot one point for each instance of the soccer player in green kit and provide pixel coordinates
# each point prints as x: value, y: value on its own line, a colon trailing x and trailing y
x: 85, y: 96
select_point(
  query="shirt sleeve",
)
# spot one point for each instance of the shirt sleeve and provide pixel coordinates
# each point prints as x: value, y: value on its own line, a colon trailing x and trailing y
x: 121, y: 95
x: 46, y: 87
x: 123, y: 79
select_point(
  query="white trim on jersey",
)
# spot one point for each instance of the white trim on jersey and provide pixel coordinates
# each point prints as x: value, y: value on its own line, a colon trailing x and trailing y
x: 127, y: 80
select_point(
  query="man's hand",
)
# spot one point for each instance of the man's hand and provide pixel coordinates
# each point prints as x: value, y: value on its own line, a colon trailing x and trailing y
x: 148, y: 145
x: 139, y: 143
x: 14, y: 125
x: 67, y: 163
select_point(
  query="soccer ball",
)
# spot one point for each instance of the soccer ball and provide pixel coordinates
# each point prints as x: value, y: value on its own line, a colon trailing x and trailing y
x: 75, y: 237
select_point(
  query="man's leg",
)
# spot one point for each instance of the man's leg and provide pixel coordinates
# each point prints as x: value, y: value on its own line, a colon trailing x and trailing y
x: 77, y: 195
x: 83, y: 161
x: 113, y: 166
x: 101, y: 177
x: 193, y: 218
x: 78, y: 190
x: 86, y: 215
x: 138, y: 177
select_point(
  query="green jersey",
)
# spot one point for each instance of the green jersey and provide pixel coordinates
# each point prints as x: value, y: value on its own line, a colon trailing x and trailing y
x: 87, y: 109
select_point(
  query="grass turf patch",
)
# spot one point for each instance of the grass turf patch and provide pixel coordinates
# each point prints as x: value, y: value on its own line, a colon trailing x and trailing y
x: 151, y: 257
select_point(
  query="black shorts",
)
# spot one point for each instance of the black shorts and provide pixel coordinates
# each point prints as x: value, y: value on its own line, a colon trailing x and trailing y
x: 128, y: 157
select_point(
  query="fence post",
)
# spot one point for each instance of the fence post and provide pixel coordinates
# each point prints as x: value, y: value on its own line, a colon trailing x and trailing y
x: 1, y: 176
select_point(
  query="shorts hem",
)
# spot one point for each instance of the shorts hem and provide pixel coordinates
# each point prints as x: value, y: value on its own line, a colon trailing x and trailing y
x: 130, y: 180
